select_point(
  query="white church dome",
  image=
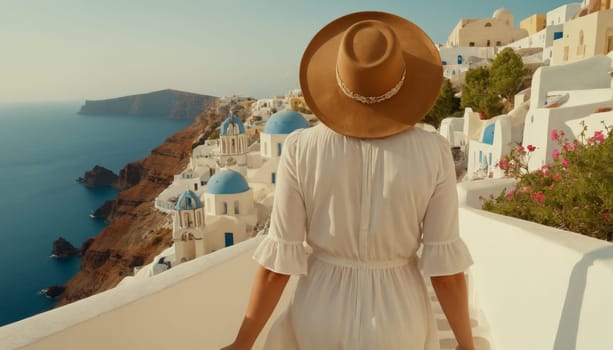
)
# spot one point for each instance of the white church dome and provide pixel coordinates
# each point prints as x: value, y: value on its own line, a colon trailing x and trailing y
x: 501, y: 13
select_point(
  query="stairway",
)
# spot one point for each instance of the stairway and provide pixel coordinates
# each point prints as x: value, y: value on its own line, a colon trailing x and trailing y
x: 481, y: 332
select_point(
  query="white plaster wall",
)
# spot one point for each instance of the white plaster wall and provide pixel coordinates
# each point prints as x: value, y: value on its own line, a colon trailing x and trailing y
x: 469, y: 192
x: 254, y: 160
x: 450, y: 54
x: 472, y: 124
x: 152, y: 313
x: 270, y: 142
x: 240, y: 163
x: 214, y: 203
x: 202, y: 165
x: 532, y: 41
x: 477, y: 33
x: 451, y: 129
x: 593, y: 122
x: 485, y: 166
x: 456, y: 72
x: 596, y: 27
x: 541, y: 122
x: 518, y: 120
x: 209, y: 148
x: 542, y: 39
x: 216, y: 230
x: 264, y: 173
x: 587, y: 74
x: 184, y: 250
x: 563, y: 13
x: 540, y: 287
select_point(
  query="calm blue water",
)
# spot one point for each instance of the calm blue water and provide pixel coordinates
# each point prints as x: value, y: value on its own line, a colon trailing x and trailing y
x: 43, y: 148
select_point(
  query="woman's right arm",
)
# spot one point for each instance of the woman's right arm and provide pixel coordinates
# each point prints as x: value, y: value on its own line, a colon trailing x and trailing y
x: 453, y: 297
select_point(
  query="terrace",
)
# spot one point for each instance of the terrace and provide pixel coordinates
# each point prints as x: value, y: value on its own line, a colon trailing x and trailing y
x: 550, y: 286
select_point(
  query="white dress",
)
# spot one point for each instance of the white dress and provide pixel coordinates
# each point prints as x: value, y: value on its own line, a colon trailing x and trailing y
x: 363, y: 207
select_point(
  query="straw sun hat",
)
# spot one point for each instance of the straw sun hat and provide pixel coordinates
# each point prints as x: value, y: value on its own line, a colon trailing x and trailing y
x: 370, y: 74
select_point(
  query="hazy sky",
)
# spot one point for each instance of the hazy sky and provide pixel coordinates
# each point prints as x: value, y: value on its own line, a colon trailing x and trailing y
x: 93, y: 49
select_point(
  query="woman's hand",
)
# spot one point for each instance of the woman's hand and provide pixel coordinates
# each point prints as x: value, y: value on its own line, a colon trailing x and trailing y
x: 453, y: 298
x: 265, y: 293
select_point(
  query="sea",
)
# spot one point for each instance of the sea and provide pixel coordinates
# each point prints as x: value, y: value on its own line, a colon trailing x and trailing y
x: 44, y: 147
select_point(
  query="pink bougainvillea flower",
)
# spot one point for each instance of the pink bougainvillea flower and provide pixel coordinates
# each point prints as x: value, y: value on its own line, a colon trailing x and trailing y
x: 538, y: 197
x: 554, y: 135
x: 531, y: 148
x: 597, y: 138
x: 564, y: 162
x: 569, y: 147
x: 546, y: 172
x: 562, y: 133
x: 509, y: 195
x: 557, y: 177
x: 555, y: 154
x: 606, y: 216
x: 503, y: 164
x: 552, y: 186
x: 521, y: 149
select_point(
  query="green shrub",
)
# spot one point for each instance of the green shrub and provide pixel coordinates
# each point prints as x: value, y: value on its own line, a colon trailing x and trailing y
x: 574, y: 193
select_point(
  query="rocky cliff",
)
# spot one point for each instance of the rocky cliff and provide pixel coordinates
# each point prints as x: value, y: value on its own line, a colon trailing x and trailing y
x: 137, y: 231
x: 98, y: 176
x: 164, y: 103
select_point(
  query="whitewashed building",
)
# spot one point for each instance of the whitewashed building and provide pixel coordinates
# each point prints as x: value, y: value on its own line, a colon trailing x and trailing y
x: 499, y: 30
x: 458, y: 60
x: 278, y: 127
x: 188, y: 228
x: 564, y: 95
x: 231, y: 216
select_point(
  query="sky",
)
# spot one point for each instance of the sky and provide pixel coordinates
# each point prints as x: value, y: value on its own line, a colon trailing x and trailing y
x: 72, y: 50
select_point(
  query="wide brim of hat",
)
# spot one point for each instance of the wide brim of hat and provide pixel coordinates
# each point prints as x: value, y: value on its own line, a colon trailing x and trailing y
x: 352, y: 118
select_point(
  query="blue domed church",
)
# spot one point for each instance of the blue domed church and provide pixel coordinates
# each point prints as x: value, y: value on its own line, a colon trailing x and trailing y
x: 231, y: 216
x: 226, y: 215
x: 276, y: 130
x: 233, y: 143
x: 188, y: 226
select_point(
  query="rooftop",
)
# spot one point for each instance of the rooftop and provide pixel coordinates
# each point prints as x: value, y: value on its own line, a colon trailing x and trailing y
x: 285, y: 122
x: 227, y: 181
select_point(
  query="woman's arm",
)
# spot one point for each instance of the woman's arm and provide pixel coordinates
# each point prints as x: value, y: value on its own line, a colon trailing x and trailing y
x: 453, y: 297
x: 265, y: 293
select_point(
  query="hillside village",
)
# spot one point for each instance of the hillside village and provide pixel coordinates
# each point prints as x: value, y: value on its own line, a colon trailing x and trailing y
x: 224, y: 196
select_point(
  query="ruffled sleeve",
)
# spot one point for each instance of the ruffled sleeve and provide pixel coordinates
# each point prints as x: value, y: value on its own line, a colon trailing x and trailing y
x: 288, y: 258
x: 283, y: 250
x: 444, y: 252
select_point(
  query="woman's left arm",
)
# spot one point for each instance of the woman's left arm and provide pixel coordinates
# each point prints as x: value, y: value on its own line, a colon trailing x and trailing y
x: 265, y: 294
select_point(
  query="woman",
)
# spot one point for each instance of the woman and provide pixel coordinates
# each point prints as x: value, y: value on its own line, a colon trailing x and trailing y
x: 364, y: 189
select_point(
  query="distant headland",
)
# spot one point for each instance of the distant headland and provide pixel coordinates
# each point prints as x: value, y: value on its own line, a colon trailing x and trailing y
x: 164, y: 103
